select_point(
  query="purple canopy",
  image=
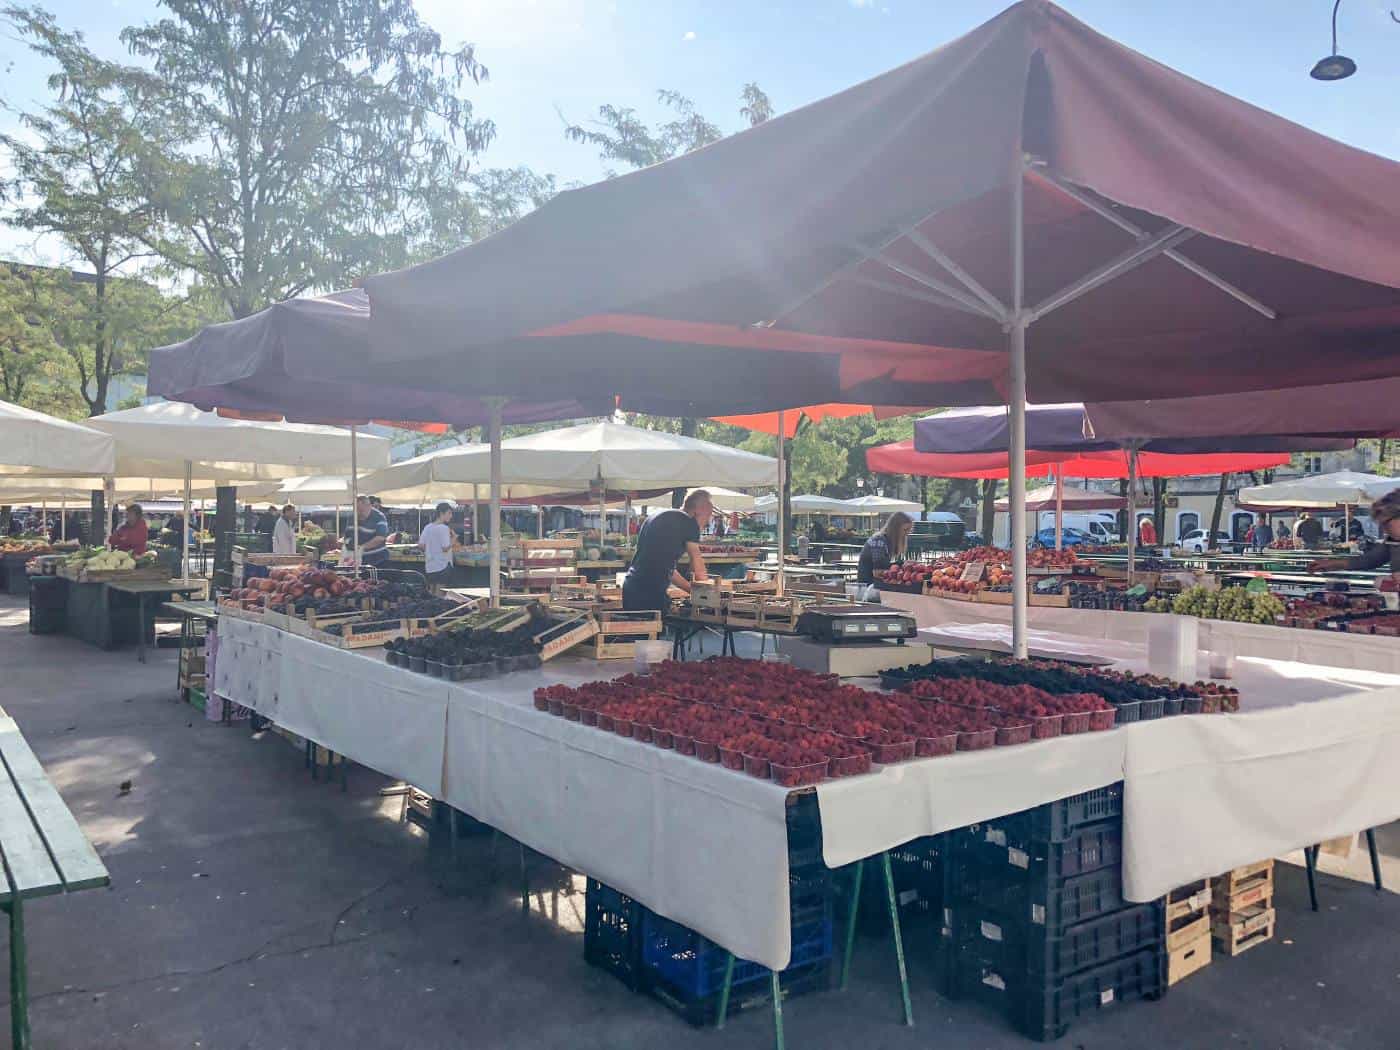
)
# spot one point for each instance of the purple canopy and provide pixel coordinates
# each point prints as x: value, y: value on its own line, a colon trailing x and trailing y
x: 288, y: 360
x: 1063, y: 428
x: 1338, y: 409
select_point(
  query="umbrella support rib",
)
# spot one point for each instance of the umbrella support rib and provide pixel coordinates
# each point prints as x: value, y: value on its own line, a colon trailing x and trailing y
x: 1145, y: 250
x: 932, y: 283
x: 966, y: 279
x: 1077, y: 193
x: 916, y: 294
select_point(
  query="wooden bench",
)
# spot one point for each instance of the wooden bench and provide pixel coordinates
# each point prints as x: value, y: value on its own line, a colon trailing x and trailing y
x: 44, y: 852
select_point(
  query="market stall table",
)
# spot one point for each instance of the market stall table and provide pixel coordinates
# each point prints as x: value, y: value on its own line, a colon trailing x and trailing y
x: 1296, y: 644
x: 99, y: 612
x: 707, y: 847
x: 13, y: 578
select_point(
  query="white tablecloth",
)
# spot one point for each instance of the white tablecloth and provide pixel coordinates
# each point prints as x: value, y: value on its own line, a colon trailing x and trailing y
x: 1309, y: 757
x: 1328, y: 648
x: 695, y: 842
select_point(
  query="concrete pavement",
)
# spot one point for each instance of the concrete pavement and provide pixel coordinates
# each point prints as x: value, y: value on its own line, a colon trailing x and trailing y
x: 253, y: 908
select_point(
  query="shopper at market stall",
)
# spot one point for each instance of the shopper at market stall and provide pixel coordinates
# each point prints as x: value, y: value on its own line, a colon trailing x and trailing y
x: 1263, y: 533
x: 885, y: 547
x: 284, y: 532
x: 373, y: 528
x: 131, y: 535
x: 1147, y: 533
x: 1309, y: 531
x: 437, y: 542
x: 1385, y: 512
x: 660, y: 544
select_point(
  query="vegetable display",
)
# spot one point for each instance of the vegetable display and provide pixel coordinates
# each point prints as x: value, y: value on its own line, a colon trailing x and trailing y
x: 799, y: 728
x: 946, y: 574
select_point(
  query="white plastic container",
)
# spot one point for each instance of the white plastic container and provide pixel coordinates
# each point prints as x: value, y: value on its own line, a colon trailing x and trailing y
x: 647, y: 652
x: 1172, y: 644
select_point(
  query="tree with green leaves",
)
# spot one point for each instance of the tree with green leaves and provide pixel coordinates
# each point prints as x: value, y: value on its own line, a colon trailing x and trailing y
x: 318, y: 141
x: 34, y: 370
x: 620, y: 134
x: 78, y: 176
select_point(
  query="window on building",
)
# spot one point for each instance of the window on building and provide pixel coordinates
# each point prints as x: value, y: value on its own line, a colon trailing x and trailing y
x: 1312, y: 464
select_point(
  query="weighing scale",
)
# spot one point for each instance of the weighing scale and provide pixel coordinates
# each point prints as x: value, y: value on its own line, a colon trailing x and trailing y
x: 837, y: 624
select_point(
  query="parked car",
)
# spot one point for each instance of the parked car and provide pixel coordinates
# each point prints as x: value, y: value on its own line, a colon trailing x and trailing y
x: 1068, y: 537
x: 1196, y: 541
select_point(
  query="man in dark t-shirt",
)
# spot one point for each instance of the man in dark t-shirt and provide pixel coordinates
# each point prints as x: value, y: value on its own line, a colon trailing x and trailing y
x: 663, y: 539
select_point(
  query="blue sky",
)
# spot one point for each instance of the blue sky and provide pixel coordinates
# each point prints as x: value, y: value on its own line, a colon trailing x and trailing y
x: 549, y: 57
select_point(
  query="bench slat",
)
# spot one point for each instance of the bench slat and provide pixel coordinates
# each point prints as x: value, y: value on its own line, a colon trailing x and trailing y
x: 66, y: 847
x: 29, y: 871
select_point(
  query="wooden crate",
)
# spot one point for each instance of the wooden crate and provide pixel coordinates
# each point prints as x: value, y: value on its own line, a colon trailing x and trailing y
x: 554, y: 543
x: 1243, y: 887
x: 1188, y: 958
x: 744, y: 612
x: 618, y: 632
x: 564, y: 634
x: 781, y: 614
x: 1243, y: 930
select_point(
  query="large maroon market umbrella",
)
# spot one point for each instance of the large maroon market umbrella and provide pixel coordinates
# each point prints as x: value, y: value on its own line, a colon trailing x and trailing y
x: 1370, y: 409
x: 1175, y: 240
x: 1157, y: 237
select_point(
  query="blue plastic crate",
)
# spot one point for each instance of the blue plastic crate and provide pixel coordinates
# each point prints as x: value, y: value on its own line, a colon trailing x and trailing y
x: 693, y: 966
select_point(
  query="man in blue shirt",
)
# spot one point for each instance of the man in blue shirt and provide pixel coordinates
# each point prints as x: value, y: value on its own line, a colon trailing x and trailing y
x: 373, y: 529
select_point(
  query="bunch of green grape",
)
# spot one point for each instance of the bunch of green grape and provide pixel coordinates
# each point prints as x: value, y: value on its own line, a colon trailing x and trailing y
x: 1157, y: 604
x: 1231, y: 603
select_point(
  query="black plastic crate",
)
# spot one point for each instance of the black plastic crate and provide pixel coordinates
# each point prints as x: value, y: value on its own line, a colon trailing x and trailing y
x: 1053, y: 905
x: 612, y: 933
x: 809, y: 894
x: 804, y: 830
x: 983, y: 936
x: 1056, y: 821
x: 1044, y: 1009
x: 1004, y: 842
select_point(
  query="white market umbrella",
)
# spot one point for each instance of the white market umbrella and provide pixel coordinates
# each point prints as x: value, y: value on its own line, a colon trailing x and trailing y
x: 167, y: 437
x: 1342, y: 488
x: 33, y: 444
x: 728, y: 500
x: 805, y: 504
x: 572, y: 458
x: 881, y: 505
x: 606, y: 454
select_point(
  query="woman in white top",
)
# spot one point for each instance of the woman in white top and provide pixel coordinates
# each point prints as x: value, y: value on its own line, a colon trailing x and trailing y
x: 284, y: 532
x: 437, y: 542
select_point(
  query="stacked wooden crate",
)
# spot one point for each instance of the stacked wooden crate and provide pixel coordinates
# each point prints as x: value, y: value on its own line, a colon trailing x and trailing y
x: 1242, y: 907
x: 1188, y: 930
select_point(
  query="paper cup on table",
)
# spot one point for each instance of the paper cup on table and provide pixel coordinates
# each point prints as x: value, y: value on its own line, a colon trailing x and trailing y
x: 647, y: 652
x: 1172, y: 642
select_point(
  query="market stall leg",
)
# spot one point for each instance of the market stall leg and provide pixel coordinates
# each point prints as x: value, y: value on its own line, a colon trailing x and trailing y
x: 1375, y: 858
x: 893, y: 904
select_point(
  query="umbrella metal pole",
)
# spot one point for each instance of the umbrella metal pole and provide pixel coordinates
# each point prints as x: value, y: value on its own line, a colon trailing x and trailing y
x: 109, y: 496
x: 1132, y: 509
x: 185, y: 527
x: 494, y: 428
x: 476, y: 514
x: 1346, y: 528
x: 539, y: 522
x: 1059, y: 509
x: 782, y: 485
x: 1020, y: 592
x: 355, y: 498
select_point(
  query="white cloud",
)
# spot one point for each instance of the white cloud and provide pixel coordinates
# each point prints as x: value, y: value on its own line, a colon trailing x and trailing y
x: 862, y: 3
x: 689, y: 35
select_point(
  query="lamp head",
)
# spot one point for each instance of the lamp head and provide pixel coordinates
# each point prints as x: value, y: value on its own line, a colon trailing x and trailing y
x: 1333, y: 67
